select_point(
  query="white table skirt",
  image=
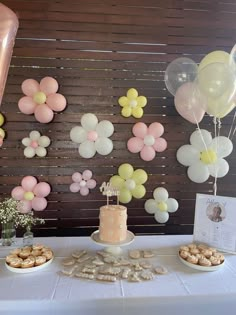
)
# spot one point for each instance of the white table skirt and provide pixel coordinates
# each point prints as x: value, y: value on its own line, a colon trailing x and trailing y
x: 181, y: 281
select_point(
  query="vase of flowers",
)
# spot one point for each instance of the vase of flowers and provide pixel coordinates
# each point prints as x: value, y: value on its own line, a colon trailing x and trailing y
x: 28, y: 221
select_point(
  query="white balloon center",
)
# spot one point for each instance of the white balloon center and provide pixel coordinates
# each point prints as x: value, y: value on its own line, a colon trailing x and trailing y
x: 130, y: 184
x: 133, y: 103
x: 82, y: 183
x: 149, y: 140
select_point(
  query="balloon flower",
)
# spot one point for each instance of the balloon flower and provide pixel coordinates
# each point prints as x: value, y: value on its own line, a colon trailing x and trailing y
x: 147, y: 140
x: 205, y: 156
x: 41, y: 99
x: 129, y: 182
x: 35, y: 145
x: 92, y: 136
x: 31, y: 194
x: 132, y: 104
x: 161, y: 205
x: 82, y: 182
x: 2, y: 132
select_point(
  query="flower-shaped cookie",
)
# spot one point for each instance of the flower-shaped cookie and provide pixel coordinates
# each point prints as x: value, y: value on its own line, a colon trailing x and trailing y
x: 35, y: 144
x: 41, y: 99
x: 2, y: 132
x: 129, y: 182
x: 31, y: 194
x: 147, y: 140
x: 82, y: 182
x: 92, y: 136
x: 204, y: 156
x: 161, y: 205
x: 132, y: 104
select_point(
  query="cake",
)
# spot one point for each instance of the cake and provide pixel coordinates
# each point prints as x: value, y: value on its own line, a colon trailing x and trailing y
x: 113, y: 223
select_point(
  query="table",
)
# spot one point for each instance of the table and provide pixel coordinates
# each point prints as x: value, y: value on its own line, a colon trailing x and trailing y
x: 182, y: 287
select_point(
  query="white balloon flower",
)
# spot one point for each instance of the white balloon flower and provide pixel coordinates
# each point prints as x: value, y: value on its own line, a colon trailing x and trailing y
x: 161, y: 205
x: 92, y: 136
x: 204, y: 156
x: 35, y: 144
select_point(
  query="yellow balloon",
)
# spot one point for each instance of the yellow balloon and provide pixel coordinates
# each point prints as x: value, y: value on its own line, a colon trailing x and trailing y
x: 125, y: 196
x: 162, y: 206
x: 214, y: 56
x: 137, y: 112
x: 2, y: 133
x: 117, y: 182
x: 123, y: 101
x: 126, y: 111
x: 142, y: 101
x: 126, y: 171
x: 139, y: 191
x: 208, y: 156
x: 40, y: 98
x: 28, y: 195
x: 1, y: 119
x: 132, y: 93
x: 140, y: 176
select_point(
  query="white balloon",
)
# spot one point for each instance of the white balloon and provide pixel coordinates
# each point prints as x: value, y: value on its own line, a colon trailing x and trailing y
x: 87, y: 149
x: 198, y: 172
x: 44, y: 141
x: 34, y: 135
x: 187, y: 155
x: 89, y: 121
x: 150, y: 206
x: 105, y: 128
x: 40, y: 151
x: 130, y: 184
x: 222, y: 145
x: 160, y: 194
x: 172, y: 205
x: 29, y: 152
x: 219, y: 169
x: 26, y: 141
x: 201, y: 139
x: 161, y: 216
x: 104, y: 146
x: 78, y: 134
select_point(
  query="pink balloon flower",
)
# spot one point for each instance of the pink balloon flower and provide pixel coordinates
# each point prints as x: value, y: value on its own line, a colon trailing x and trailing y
x: 82, y: 182
x: 147, y: 140
x: 31, y: 194
x: 41, y: 99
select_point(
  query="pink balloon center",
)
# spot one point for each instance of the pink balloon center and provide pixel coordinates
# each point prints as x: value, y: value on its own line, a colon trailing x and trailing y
x: 34, y: 144
x: 92, y: 135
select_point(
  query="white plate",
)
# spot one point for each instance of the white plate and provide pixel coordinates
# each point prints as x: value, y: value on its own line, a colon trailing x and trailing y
x: 129, y: 239
x: 201, y: 268
x: 27, y: 270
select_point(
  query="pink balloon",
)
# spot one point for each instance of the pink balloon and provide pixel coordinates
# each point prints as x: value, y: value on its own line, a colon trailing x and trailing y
x: 27, y: 105
x: 39, y: 204
x: 189, y: 102
x: 92, y: 135
x: 25, y: 206
x: 76, y: 177
x: 43, y: 114
x: 84, y: 191
x: 42, y: 189
x: 28, y: 183
x: 147, y: 153
x: 56, y: 102
x: 9, y: 26
x: 156, y: 129
x: 91, y: 183
x: 135, y: 145
x: 160, y: 145
x: 48, y: 85
x: 30, y: 87
x: 17, y: 193
x: 140, y: 130
x: 75, y: 187
x: 87, y: 174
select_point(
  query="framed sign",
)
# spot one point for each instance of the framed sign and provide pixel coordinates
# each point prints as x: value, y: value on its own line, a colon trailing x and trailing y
x: 215, y: 222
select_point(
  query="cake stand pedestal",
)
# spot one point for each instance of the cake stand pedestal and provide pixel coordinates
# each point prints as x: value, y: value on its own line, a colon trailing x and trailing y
x: 113, y: 248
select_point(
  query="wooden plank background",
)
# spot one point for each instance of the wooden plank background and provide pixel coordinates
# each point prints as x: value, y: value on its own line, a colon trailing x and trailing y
x: 97, y: 50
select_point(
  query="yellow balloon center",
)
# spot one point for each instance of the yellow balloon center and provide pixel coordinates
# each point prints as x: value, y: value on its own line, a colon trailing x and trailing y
x: 208, y: 156
x: 1, y: 119
x: 40, y: 98
x: 162, y: 206
x: 28, y: 195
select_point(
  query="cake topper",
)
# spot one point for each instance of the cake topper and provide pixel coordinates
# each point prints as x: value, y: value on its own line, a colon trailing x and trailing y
x: 108, y: 190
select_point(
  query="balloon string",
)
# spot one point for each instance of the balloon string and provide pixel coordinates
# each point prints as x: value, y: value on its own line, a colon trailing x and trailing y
x: 217, y: 122
x: 198, y: 128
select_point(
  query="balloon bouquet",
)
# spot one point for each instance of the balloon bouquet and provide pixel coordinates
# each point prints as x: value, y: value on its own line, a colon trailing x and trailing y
x: 208, y: 88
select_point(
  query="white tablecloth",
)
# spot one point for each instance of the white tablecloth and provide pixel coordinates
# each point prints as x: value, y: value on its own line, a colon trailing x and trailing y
x: 180, y: 283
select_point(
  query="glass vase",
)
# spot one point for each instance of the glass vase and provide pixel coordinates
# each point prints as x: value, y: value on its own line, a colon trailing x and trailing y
x: 28, y: 237
x: 8, y: 233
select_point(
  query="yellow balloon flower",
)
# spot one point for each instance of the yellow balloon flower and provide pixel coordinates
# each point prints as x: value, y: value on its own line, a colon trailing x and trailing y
x: 125, y: 171
x: 132, y: 104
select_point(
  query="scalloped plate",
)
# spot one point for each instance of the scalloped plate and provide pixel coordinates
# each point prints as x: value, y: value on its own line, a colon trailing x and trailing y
x: 28, y: 270
x: 201, y: 268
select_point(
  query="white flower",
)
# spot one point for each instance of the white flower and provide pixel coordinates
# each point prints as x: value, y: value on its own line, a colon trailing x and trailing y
x: 35, y: 144
x: 204, y: 156
x: 93, y: 136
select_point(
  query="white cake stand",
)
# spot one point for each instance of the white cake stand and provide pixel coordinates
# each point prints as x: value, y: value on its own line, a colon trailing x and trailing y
x: 113, y: 248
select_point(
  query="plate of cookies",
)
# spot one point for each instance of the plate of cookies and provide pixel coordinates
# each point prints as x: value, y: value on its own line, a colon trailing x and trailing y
x: 201, y: 257
x: 29, y: 258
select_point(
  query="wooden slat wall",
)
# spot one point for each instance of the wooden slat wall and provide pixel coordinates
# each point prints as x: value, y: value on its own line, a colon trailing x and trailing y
x: 97, y: 49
